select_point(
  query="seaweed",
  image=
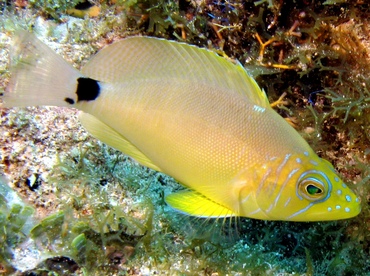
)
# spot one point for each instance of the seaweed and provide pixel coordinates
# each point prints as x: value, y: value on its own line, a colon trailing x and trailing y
x: 15, y: 223
x: 53, y: 8
x: 110, y: 210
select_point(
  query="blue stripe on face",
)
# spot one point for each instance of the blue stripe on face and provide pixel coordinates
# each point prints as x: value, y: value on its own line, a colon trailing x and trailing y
x: 301, y: 211
x: 283, y: 186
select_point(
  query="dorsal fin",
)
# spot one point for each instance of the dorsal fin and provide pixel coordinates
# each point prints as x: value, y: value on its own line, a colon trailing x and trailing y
x: 148, y: 58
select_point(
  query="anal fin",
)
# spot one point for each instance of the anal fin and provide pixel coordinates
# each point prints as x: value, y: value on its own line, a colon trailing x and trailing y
x: 112, y: 138
x: 195, y: 204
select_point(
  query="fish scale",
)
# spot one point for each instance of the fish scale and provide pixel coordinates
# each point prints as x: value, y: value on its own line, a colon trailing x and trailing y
x: 196, y: 116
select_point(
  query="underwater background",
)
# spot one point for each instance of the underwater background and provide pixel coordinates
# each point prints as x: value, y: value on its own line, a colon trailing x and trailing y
x: 70, y: 205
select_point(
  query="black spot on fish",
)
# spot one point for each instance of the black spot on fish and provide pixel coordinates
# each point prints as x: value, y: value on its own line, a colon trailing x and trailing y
x: 83, y: 5
x: 69, y: 100
x: 1, y: 94
x: 87, y: 89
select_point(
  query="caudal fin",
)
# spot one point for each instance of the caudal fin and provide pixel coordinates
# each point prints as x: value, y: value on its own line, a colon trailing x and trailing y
x: 38, y: 75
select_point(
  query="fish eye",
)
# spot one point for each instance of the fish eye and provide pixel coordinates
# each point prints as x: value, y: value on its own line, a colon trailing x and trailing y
x: 311, y: 189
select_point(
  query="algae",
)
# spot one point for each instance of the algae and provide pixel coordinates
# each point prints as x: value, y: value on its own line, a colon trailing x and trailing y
x: 99, y: 211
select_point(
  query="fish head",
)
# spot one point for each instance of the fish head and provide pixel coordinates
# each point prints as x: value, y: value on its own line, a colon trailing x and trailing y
x: 304, y: 187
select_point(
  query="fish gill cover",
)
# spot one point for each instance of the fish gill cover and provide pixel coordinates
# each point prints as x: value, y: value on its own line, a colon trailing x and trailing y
x: 98, y: 211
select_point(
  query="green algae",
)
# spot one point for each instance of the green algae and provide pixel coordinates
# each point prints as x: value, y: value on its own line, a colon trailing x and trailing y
x: 53, y: 8
x: 326, y: 82
x: 15, y: 223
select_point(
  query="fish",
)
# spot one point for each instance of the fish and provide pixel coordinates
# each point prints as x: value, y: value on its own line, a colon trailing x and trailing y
x: 189, y: 113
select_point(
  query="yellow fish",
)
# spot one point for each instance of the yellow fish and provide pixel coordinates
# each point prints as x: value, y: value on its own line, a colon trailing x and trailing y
x: 193, y: 115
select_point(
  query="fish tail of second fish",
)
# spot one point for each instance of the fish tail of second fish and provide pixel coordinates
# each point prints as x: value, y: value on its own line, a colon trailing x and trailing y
x: 38, y: 75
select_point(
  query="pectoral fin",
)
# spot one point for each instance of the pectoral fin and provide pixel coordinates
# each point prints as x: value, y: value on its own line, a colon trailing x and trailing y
x: 112, y: 138
x: 195, y: 204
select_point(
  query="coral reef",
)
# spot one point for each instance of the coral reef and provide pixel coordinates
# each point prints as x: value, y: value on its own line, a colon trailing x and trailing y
x: 84, y: 208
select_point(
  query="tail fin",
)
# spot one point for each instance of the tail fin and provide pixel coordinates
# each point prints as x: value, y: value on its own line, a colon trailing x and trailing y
x: 38, y: 75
